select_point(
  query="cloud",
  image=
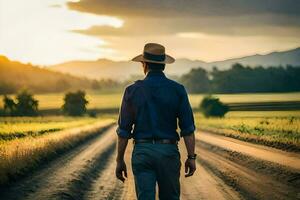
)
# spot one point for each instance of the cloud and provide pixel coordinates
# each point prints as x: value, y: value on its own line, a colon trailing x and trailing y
x: 166, y: 17
x: 206, y: 28
x: 242, y: 26
x: 186, y: 8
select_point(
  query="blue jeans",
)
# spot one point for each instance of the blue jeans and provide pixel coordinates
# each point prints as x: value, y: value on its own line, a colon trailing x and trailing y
x: 156, y: 163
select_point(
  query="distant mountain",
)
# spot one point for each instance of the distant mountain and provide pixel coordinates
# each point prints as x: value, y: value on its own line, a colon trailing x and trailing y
x: 102, y: 68
x: 15, y: 76
x: 290, y: 57
x: 121, y: 70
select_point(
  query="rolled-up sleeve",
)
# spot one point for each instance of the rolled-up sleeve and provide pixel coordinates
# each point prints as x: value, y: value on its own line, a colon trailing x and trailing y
x: 185, y: 115
x: 126, y: 117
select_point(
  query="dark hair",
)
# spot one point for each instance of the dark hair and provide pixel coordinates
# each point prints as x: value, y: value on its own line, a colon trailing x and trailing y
x: 156, y: 66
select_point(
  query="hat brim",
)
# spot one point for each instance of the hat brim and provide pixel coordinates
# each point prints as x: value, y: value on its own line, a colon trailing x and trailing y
x: 140, y: 58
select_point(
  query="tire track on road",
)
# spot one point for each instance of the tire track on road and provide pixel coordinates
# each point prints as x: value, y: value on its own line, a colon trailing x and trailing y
x: 204, y: 185
x: 251, y: 183
x: 281, y: 173
x: 106, y: 186
x: 81, y: 184
x: 288, y: 159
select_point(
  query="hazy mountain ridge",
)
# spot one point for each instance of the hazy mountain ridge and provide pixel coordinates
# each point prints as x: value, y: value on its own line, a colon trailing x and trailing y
x: 16, y: 75
x: 290, y: 57
x: 104, y: 68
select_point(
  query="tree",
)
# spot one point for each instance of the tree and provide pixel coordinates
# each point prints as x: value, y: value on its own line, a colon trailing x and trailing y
x: 196, y: 81
x: 75, y: 103
x: 9, y: 105
x: 25, y: 105
x: 213, y: 107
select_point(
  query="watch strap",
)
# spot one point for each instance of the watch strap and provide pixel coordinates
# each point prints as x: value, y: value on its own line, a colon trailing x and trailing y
x: 193, y: 157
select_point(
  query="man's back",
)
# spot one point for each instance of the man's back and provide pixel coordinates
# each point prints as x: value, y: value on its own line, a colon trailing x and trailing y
x: 153, y: 105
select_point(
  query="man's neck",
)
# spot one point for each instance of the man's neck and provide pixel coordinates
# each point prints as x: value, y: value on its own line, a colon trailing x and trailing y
x: 155, y: 72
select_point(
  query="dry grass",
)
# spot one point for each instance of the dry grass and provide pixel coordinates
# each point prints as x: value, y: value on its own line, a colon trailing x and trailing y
x: 20, y: 155
x: 275, y: 129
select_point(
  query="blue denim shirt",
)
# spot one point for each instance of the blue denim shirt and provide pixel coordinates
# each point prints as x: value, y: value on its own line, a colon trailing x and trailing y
x: 152, y: 108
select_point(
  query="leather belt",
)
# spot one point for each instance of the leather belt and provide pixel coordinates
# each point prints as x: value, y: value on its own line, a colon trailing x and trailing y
x: 155, y: 141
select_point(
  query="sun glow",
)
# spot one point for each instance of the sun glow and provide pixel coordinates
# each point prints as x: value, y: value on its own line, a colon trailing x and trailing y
x: 40, y: 32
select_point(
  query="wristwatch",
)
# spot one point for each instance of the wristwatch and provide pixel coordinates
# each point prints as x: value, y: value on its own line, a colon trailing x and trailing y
x: 193, y: 157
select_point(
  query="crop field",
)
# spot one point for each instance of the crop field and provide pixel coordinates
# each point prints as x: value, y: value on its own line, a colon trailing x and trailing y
x: 26, y: 141
x: 279, y: 129
x: 17, y: 127
x: 113, y: 100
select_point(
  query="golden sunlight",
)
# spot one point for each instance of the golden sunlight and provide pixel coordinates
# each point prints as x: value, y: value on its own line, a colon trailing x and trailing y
x: 40, y: 32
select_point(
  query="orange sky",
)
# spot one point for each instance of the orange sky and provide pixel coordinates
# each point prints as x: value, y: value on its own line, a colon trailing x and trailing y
x: 52, y: 31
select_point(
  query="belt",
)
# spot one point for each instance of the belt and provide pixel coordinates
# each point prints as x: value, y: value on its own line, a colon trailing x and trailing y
x: 155, y: 141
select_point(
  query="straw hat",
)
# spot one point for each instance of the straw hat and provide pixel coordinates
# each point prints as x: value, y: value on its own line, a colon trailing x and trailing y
x: 154, y: 53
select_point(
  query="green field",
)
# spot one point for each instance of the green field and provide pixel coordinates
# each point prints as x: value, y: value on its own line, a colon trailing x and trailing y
x: 280, y: 129
x: 113, y: 101
x: 17, y: 127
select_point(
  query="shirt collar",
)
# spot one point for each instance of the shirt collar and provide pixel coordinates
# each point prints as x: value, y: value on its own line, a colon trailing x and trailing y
x: 155, y: 73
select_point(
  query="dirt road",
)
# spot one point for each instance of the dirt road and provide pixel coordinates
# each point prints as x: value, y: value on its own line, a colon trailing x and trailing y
x: 227, y: 169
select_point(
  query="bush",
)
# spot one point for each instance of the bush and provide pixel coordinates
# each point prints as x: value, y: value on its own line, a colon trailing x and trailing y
x: 213, y: 107
x: 75, y: 103
x: 25, y: 105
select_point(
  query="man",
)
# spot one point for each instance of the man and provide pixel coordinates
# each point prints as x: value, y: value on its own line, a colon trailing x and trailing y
x: 150, y: 111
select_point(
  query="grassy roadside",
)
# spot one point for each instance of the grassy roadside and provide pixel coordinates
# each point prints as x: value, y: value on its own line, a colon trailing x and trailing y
x: 21, y: 155
x: 276, y: 129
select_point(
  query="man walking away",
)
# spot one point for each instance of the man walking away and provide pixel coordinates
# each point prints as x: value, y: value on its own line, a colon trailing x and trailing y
x: 150, y: 111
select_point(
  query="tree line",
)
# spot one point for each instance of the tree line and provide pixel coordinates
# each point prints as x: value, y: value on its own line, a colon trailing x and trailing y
x: 242, y: 79
x: 24, y: 104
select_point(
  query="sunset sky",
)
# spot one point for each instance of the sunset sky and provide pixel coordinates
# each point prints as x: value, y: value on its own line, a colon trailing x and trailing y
x: 48, y: 32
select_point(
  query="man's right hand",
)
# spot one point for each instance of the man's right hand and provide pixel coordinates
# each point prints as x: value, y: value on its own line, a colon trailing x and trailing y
x: 120, y: 168
x: 190, y: 167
